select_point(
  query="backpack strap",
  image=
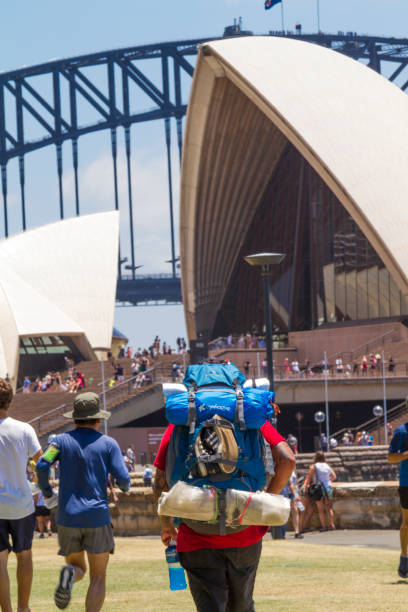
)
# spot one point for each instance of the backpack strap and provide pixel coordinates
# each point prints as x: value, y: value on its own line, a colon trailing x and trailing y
x: 192, y: 410
x: 239, y: 409
x: 222, y: 508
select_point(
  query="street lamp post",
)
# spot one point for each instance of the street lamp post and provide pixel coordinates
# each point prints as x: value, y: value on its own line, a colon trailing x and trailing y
x: 326, y: 398
x: 378, y: 412
x: 320, y: 417
x: 384, y: 400
x: 299, y: 417
x: 265, y: 261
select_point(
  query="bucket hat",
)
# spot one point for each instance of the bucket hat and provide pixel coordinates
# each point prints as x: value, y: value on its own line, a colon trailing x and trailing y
x: 86, y: 406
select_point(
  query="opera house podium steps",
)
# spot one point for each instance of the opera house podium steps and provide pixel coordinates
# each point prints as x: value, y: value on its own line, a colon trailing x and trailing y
x: 354, y: 464
x: 44, y: 410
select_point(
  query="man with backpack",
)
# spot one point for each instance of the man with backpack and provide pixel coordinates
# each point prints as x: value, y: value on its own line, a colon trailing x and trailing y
x: 221, y: 559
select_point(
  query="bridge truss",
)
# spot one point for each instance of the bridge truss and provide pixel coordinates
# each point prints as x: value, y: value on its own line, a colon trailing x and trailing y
x: 41, y: 106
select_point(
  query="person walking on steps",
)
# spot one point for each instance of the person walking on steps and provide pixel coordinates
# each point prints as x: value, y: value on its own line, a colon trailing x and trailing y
x: 398, y: 453
x: 86, y: 458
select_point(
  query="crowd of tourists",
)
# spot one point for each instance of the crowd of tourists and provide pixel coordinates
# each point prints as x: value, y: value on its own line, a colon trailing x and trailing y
x: 366, y: 366
x: 244, y: 341
x: 157, y: 348
x: 71, y: 381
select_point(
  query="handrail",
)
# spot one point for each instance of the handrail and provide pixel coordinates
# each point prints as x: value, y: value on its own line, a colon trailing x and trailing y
x: 221, y: 343
x: 129, y: 277
x: 127, y: 379
x: 372, y: 422
x: 364, y: 344
x: 108, y: 393
x: 37, y: 418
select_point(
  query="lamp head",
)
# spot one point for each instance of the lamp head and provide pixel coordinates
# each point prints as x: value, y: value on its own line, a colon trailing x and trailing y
x: 378, y: 411
x: 265, y: 259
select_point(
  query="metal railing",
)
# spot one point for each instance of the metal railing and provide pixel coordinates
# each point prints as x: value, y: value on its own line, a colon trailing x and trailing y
x: 367, y: 347
x: 372, y: 423
x: 316, y: 372
x: 152, y: 371
x: 49, y: 415
x: 129, y: 277
x: 114, y: 396
x: 258, y: 342
x: 244, y: 343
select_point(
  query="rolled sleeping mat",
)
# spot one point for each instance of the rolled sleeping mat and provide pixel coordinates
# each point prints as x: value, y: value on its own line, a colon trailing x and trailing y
x: 260, y: 383
x: 186, y: 501
x: 173, y: 389
x: 242, y: 507
x: 260, y: 508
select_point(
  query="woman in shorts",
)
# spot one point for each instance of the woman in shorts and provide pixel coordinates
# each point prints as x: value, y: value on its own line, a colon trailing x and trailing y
x: 43, y: 515
x: 321, y: 473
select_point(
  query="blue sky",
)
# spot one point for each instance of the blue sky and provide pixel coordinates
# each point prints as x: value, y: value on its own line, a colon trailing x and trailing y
x: 35, y: 32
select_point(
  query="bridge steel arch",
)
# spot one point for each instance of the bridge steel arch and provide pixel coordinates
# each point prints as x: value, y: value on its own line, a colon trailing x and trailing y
x: 24, y: 104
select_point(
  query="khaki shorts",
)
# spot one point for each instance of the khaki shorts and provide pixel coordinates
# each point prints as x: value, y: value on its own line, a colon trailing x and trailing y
x: 94, y: 540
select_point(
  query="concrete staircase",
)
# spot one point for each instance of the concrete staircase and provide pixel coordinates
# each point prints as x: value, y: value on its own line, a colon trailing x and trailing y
x: 45, y: 410
x: 354, y: 464
x: 239, y: 356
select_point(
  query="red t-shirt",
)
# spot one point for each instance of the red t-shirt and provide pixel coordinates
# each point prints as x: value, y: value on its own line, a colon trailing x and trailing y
x: 188, y: 539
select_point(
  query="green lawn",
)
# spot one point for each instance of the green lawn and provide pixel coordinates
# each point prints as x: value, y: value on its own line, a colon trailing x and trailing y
x: 292, y: 577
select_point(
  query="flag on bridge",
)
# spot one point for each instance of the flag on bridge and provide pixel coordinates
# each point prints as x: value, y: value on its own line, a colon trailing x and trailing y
x: 270, y: 3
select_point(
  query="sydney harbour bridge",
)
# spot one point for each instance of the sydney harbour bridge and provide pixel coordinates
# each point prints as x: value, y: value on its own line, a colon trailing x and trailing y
x: 121, y: 90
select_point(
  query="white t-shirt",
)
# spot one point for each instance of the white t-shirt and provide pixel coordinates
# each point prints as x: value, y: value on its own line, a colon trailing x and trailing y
x: 323, y: 472
x: 18, y: 443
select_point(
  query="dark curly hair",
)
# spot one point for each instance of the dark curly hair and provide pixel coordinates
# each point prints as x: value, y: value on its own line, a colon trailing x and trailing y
x: 6, y: 394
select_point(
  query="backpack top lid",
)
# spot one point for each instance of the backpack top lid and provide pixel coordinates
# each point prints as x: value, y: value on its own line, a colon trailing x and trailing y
x: 205, y: 374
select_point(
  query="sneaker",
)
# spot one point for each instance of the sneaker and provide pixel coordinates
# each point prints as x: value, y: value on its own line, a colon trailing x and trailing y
x: 322, y: 529
x: 331, y: 528
x: 299, y: 536
x: 403, y: 567
x: 62, y: 595
x: 41, y: 535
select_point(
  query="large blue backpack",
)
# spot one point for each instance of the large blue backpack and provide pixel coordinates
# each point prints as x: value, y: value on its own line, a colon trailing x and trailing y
x: 216, y: 402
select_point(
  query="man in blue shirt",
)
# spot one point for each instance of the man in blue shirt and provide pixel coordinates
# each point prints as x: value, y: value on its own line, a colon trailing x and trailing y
x: 86, y: 458
x: 398, y: 453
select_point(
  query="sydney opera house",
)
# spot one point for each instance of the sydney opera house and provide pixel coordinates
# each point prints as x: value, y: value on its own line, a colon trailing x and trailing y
x: 57, y: 294
x: 292, y: 148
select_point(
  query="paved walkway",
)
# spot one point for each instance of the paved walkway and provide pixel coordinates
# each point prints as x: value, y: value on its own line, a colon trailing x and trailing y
x: 371, y: 538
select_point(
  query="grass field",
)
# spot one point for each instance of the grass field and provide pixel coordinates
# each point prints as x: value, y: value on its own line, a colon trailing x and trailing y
x: 291, y: 578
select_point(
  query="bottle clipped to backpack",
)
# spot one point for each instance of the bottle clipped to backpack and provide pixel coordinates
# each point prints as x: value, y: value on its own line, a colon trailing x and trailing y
x: 177, y: 577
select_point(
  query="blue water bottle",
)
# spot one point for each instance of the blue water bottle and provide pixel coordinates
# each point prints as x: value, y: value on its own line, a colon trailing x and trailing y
x: 177, y: 577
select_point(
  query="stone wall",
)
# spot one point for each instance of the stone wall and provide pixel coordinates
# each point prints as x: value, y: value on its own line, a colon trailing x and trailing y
x: 367, y: 505
x: 361, y: 505
x: 354, y: 464
x: 364, y: 505
x: 134, y: 514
